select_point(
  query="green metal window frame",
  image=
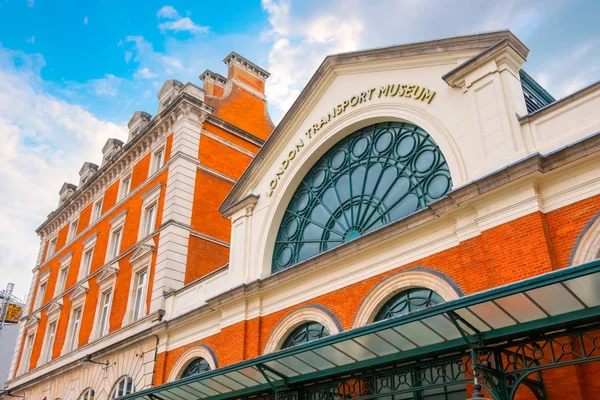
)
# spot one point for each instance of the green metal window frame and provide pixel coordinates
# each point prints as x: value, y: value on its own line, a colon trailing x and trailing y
x: 196, y: 366
x: 374, y: 176
x: 267, y: 373
x: 408, y: 301
x: 305, y: 333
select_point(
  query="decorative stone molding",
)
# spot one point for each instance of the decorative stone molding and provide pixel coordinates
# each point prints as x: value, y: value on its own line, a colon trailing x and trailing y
x: 80, y: 290
x: 88, y: 169
x: 55, y: 307
x: 139, y: 120
x: 312, y: 313
x: 200, y: 351
x: 388, y: 287
x: 108, y: 271
x: 235, y: 59
x: 66, y: 191
x: 143, y: 250
x: 587, y: 246
x: 110, y: 149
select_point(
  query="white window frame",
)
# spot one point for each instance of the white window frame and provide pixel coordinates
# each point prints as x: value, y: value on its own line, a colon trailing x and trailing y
x: 51, y: 247
x: 73, y: 232
x: 63, y: 274
x: 104, y: 311
x: 72, y: 337
x: 117, y: 226
x: 87, y: 394
x: 157, y: 163
x: 150, y: 199
x: 125, y: 186
x: 27, y: 351
x: 88, y: 247
x: 97, y: 209
x: 135, y: 313
x: 119, y: 388
x: 43, y: 283
x: 49, y: 339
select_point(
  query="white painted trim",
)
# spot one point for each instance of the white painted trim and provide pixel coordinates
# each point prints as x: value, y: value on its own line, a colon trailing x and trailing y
x: 296, y: 318
x: 199, y: 351
x: 395, y: 284
x: 588, y: 247
x: 227, y: 143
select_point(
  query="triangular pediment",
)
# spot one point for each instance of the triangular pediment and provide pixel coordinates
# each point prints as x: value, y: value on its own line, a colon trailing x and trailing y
x: 55, y: 306
x: 108, y: 271
x: 80, y: 290
x: 33, y: 320
x: 315, y: 108
x: 142, y: 250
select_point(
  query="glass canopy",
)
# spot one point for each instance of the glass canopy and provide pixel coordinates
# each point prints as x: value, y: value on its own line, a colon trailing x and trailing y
x: 541, y: 304
x: 374, y: 176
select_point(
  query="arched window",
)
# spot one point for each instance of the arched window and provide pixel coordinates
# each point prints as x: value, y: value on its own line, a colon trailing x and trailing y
x: 408, y: 301
x: 87, y: 394
x: 372, y: 177
x: 123, y: 387
x: 197, y: 366
x: 305, y: 333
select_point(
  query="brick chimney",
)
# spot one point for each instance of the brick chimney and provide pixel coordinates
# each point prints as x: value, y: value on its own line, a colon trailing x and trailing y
x: 245, y: 73
x: 213, y: 83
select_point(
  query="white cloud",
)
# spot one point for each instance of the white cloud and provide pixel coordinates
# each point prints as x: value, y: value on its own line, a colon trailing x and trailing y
x: 45, y: 141
x: 144, y: 73
x: 176, y: 23
x: 85, y: 20
x: 303, y: 33
x: 167, y: 12
x: 30, y: 3
x: 107, y: 86
x: 30, y: 40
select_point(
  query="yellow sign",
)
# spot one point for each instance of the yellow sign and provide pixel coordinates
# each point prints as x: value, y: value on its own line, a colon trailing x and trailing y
x: 415, y: 92
x: 13, y: 313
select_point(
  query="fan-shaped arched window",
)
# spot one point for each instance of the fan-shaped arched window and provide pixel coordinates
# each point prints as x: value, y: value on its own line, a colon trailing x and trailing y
x: 197, y: 366
x: 408, y: 301
x: 87, y: 394
x: 305, y: 333
x: 372, y: 177
x: 124, y: 386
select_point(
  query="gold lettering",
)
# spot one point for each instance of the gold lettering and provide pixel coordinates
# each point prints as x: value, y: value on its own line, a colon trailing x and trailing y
x: 402, y: 89
x: 299, y: 145
x: 384, y: 90
x: 409, y: 90
x: 371, y: 92
x: 418, y: 92
x: 338, y: 109
x: 285, y: 163
x: 427, y: 95
x: 345, y: 104
x: 279, y: 173
x: 363, y: 97
x: 394, y: 90
x: 309, y: 133
x: 292, y: 154
x: 323, y: 122
x: 354, y: 101
x: 273, y: 184
x: 315, y: 128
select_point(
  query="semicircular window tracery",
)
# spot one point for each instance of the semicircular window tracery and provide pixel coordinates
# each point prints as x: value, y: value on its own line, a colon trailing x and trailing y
x: 408, y: 301
x: 372, y: 177
x: 305, y: 333
x: 197, y: 366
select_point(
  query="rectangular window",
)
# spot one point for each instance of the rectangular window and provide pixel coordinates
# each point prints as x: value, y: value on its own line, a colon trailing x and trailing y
x: 115, y: 243
x: 62, y: 280
x: 86, y: 263
x: 49, y: 342
x: 74, y: 331
x: 51, y: 248
x: 41, y: 293
x: 97, y: 211
x: 125, y: 187
x: 159, y: 158
x: 149, y: 220
x: 139, y: 304
x: 27, y: 353
x: 103, y: 324
x: 73, y: 229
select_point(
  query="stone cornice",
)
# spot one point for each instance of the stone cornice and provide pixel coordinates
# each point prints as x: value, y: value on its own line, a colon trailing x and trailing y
x: 184, y: 105
x: 478, y: 42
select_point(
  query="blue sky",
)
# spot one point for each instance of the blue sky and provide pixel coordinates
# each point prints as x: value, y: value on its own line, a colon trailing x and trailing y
x: 73, y: 72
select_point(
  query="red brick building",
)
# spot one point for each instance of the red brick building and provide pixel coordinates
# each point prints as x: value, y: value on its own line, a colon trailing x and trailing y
x: 424, y: 216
